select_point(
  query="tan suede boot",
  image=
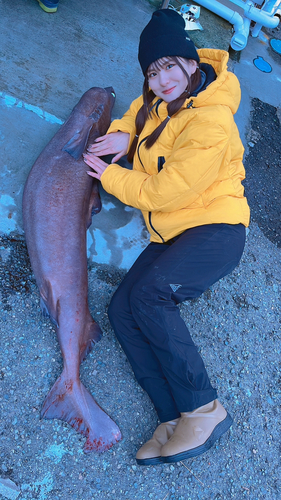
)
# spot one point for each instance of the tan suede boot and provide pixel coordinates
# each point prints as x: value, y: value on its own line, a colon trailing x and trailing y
x: 150, y: 452
x: 196, y: 432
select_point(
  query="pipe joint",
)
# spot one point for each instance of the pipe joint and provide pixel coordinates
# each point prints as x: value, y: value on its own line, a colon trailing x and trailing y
x: 261, y: 17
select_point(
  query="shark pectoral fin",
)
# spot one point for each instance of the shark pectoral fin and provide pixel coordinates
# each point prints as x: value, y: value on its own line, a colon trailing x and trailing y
x: 94, y: 335
x: 46, y: 313
x: 47, y: 303
x: 77, y: 143
x: 95, y: 204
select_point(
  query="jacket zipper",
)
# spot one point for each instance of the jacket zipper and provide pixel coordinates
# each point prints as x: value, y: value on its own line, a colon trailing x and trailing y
x: 161, y: 161
x: 156, y: 106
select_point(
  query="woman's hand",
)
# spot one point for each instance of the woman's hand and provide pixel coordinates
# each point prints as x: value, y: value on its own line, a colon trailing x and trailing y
x: 98, y: 165
x: 115, y: 142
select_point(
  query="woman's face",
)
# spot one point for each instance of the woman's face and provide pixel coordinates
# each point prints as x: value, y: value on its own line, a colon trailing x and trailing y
x: 167, y: 80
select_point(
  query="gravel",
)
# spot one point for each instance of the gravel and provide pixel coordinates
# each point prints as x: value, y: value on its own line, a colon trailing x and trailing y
x: 263, y: 167
x: 236, y: 326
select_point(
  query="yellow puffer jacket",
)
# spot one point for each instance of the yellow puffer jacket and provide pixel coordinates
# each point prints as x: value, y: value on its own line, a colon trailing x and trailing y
x: 192, y: 175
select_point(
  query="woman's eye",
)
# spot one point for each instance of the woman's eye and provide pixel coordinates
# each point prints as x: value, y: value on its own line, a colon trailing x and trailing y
x: 151, y: 75
x: 169, y: 66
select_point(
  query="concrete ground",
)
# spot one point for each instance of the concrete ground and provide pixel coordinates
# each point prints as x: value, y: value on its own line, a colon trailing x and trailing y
x: 48, y: 61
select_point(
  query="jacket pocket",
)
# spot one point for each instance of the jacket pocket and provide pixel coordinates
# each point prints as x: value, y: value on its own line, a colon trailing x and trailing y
x: 153, y: 228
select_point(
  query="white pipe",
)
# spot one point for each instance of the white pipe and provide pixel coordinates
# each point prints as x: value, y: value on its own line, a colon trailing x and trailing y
x: 261, y: 17
x: 270, y: 6
x: 240, y: 37
x: 221, y: 10
x: 241, y: 26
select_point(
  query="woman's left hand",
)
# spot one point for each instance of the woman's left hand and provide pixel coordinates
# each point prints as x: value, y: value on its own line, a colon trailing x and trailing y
x: 98, y: 165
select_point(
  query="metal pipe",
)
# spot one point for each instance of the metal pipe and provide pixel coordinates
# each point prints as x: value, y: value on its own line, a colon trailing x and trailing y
x: 240, y: 37
x: 261, y: 17
x: 271, y: 7
x: 241, y: 29
x: 241, y: 25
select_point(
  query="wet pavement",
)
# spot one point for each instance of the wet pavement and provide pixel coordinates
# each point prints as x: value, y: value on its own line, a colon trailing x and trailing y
x: 48, y: 61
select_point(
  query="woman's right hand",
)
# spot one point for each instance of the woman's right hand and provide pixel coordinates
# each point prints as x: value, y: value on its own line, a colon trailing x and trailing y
x: 115, y: 142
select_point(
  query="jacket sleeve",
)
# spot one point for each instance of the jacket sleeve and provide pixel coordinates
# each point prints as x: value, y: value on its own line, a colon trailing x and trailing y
x: 192, y: 167
x: 127, y: 122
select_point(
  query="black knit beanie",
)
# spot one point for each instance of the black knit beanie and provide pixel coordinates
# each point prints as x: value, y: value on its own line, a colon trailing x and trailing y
x: 164, y: 36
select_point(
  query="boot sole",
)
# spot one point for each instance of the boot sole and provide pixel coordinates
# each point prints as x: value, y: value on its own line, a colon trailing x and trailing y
x: 149, y: 461
x: 218, y: 431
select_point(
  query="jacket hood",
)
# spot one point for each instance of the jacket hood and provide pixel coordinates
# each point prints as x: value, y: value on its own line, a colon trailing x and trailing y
x: 225, y: 89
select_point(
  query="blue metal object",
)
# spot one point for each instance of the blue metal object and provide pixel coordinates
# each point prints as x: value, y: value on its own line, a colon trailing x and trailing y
x: 275, y: 45
x: 262, y: 65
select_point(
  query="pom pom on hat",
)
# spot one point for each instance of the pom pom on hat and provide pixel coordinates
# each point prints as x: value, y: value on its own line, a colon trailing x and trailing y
x: 164, y: 36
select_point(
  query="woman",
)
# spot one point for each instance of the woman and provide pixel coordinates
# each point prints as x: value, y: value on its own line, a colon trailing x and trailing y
x: 186, y: 180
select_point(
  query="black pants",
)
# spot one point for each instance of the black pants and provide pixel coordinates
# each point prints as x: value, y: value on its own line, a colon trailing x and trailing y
x: 147, y: 322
